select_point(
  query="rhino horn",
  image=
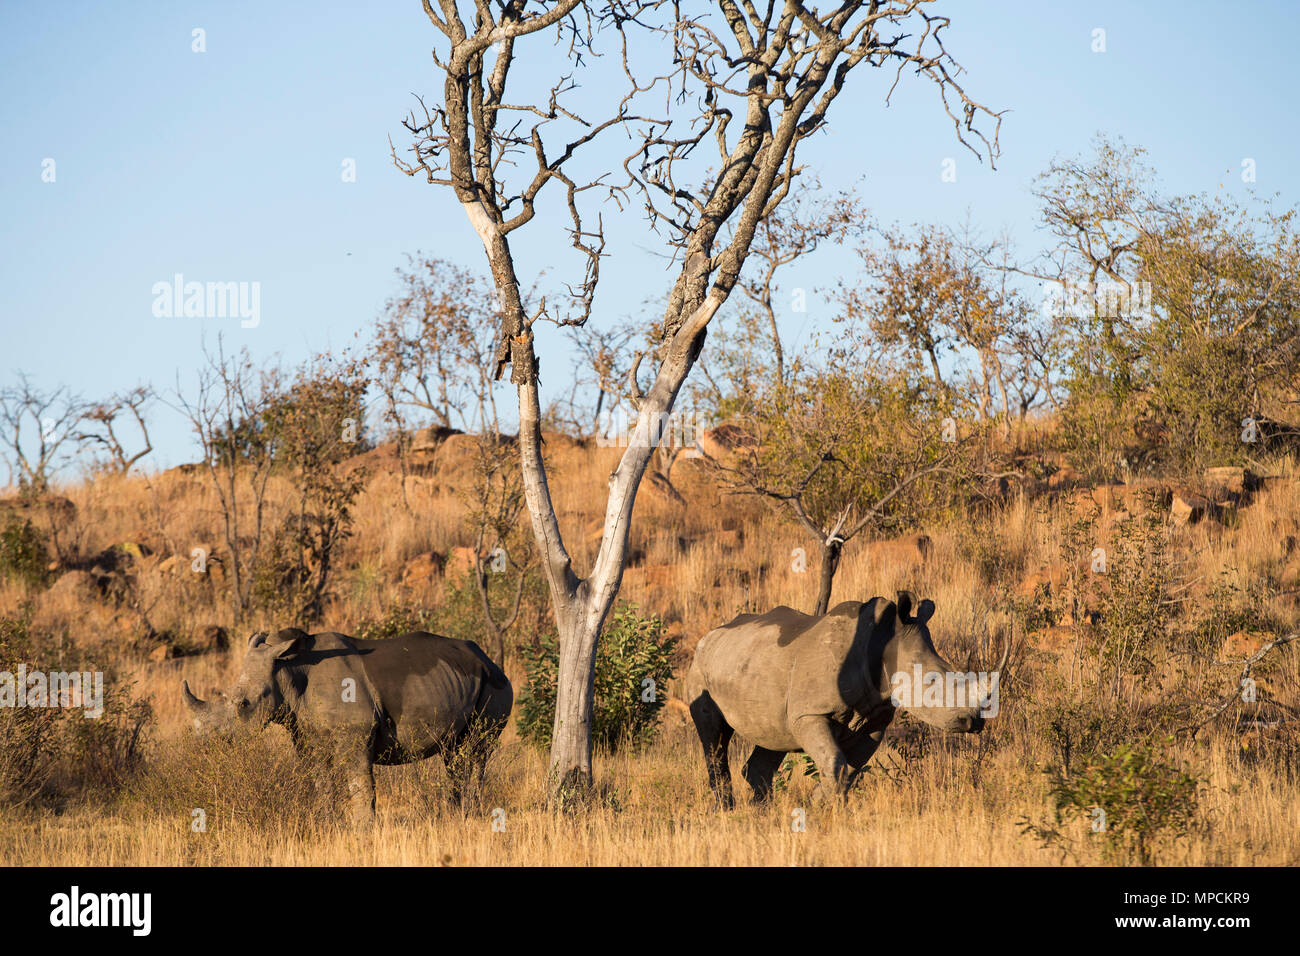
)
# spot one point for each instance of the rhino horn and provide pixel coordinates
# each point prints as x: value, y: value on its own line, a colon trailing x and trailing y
x: 1006, y: 654
x: 192, y: 702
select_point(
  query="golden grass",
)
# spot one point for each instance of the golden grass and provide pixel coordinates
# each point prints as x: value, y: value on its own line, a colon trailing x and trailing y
x: 930, y: 814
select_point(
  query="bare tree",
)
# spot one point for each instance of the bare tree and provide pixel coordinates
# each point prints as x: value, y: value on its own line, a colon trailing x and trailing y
x: 227, y: 414
x: 780, y: 69
x: 36, y: 429
x: 102, y: 421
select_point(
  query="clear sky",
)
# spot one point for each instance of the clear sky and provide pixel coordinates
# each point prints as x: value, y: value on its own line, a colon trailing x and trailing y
x: 227, y: 165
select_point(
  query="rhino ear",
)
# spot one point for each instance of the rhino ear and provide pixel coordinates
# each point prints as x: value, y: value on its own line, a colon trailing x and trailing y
x: 882, y: 609
x: 905, y: 603
x: 294, y: 641
x: 925, y: 611
x: 257, y: 640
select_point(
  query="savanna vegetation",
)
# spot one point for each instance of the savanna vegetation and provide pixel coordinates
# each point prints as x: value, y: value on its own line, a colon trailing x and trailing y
x: 1107, y: 480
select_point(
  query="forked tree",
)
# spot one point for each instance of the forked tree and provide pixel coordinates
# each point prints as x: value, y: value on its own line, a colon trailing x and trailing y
x: 702, y: 134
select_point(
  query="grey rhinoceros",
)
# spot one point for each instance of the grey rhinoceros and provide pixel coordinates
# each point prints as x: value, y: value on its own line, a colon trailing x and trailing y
x: 827, y: 686
x: 381, y: 702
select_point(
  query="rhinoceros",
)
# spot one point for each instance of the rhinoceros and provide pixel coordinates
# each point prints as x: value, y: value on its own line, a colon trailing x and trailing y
x: 381, y: 702
x: 825, y: 685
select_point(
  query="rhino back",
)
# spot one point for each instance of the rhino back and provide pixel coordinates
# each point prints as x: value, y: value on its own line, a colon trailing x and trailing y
x: 765, y: 671
x: 745, y: 666
x: 432, y: 679
x: 423, y: 685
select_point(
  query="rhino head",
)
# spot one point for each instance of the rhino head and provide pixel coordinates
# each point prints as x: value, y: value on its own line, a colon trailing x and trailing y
x: 926, y: 685
x: 214, y: 715
x: 257, y: 698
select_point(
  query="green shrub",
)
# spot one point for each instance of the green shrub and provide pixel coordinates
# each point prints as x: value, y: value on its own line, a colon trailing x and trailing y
x: 633, y: 667
x: 22, y: 553
x: 1130, y: 799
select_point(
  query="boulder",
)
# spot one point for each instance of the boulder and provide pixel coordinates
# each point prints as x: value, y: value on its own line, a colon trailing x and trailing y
x: 39, y: 509
x: 422, y: 571
x: 428, y: 439
x: 725, y: 441
x: 1064, y: 477
x: 75, y: 586
x: 1054, y: 639
x: 1187, y: 508
x: 1052, y: 577
x: 722, y: 541
x: 651, y: 576
x: 161, y: 653
x: 1243, y: 644
x: 458, y: 563
x: 210, y: 638
x: 657, y: 488
x: 1237, y: 481
x: 908, y: 553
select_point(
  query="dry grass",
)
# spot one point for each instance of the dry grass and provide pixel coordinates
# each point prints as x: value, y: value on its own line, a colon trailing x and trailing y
x: 929, y: 814
x: 953, y: 804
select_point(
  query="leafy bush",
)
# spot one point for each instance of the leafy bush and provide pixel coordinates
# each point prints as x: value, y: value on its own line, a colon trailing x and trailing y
x: 633, y: 666
x: 22, y: 553
x: 1140, y: 798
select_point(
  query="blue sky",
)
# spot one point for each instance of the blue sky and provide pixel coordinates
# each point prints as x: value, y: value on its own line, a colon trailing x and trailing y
x: 226, y: 165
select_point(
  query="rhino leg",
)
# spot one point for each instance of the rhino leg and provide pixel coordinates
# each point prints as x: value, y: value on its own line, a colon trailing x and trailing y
x: 860, y: 752
x: 715, y: 734
x: 465, y: 768
x: 759, y: 770
x: 467, y: 758
x: 817, y: 738
x: 359, y: 772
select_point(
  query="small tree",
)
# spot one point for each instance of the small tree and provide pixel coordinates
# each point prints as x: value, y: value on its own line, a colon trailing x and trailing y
x: 846, y: 450
x: 1160, y: 295
x: 503, y: 548
x: 36, y: 430
x: 102, y: 422
x: 933, y: 293
x: 313, y: 426
x: 633, y: 668
x: 1130, y: 799
x: 227, y: 412
x: 432, y: 350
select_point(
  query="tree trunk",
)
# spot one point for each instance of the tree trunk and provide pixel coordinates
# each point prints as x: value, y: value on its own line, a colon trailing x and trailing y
x: 581, y: 605
x: 575, y: 703
x: 830, y: 564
